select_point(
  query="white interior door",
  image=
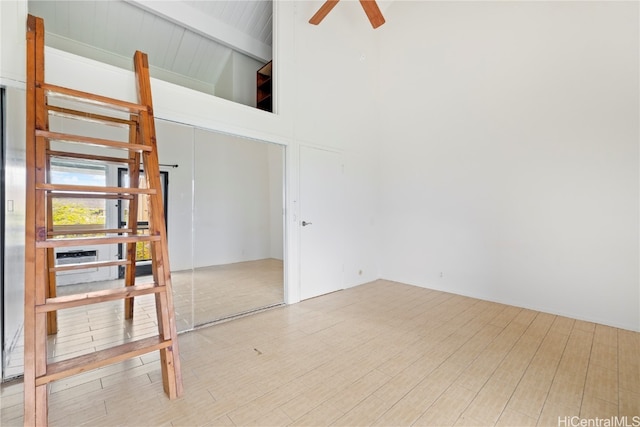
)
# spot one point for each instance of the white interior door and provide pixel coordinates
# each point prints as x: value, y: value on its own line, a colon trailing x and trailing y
x: 321, y: 204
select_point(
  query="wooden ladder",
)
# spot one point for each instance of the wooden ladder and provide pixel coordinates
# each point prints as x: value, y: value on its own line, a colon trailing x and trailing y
x: 43, y: 236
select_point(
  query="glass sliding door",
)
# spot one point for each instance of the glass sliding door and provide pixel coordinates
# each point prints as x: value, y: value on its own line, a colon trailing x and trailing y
x: 143, y: 249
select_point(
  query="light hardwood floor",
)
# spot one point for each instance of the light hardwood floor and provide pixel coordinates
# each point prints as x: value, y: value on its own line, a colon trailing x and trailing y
x: 383, y: 353
x: 201, y: 296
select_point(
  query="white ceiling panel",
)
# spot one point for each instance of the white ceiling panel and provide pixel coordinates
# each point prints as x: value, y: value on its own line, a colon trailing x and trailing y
x: 109, y: 37
x: 62, y: 16
x: 193, y: 39
x: 210, y: 27
x: 167, y: 37
x: 79, y: 28
x: 186, y: 53
x: 130, y: 20
x: 99, y: 27
x: 249, y: 17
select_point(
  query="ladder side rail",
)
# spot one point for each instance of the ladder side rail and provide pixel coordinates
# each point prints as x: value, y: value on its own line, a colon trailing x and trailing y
x: 132, y: 219
x: 171, y: 372
x: 42, y: 284
x: 42, y: 407
x: 161, y: 275
x: 30, y: 370
x: 52, y: 291
x: 52, y: 317
x: 35, y: 397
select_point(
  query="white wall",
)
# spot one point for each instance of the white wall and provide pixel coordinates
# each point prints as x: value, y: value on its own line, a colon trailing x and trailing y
x: 237, y: 82
x: 13, y: 36
x: 224, y: 84
x: 244, y: 78
x: 336, y: 107
x: 175, y: 147
x: 232, y: 214
x: 275, y: 159
x: 510, y: 153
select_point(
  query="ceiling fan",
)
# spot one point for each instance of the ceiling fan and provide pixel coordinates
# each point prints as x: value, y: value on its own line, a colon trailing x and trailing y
x: 370, y: 8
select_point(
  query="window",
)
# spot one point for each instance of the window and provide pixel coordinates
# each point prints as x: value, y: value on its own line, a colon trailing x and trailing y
x: 69, y: 212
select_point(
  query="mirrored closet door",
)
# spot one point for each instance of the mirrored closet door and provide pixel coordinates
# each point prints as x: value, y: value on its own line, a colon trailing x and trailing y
x: 238, y: 226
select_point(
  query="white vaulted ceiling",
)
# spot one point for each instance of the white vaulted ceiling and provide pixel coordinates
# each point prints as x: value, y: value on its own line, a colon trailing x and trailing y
x: 188, y: 42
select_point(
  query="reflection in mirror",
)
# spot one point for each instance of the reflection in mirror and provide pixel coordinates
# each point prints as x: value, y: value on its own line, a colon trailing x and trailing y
x: 224, y: 210
x: 175, y: 152
x: 12, y: 182
x: 238, y: 226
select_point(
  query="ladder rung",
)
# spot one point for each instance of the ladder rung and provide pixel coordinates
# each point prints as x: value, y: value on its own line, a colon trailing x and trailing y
x: 73, y: 230
x: 66, y: 137
x: 98, y: 359
x: 86, y: 265
x: 93, y: 190
x: 89, y: 117
x: 91, y: 98
x: 108, y: 159
x: 95, y: 297
x: 84, y: 241
x: 91, y: 195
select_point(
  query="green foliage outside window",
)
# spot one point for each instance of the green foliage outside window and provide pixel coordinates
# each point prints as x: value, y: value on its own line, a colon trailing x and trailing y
x: 73, y: 213
x: 66, y: 212
x: 143, y: 251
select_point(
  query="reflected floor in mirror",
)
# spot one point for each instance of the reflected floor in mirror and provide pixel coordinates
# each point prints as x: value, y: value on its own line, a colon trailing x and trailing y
x: 217, y: 292
x: 226, y: 290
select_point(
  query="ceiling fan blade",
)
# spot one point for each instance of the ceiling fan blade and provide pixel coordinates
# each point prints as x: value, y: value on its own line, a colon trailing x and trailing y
x: 373, y: 12
x: 323, y: 11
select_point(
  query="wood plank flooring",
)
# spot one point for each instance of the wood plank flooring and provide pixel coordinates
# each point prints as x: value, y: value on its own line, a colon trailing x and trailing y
x: 201, y: 296
x: 381, y: 354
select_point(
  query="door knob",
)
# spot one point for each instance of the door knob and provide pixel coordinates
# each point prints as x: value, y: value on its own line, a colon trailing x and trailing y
x: 305, y: 223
